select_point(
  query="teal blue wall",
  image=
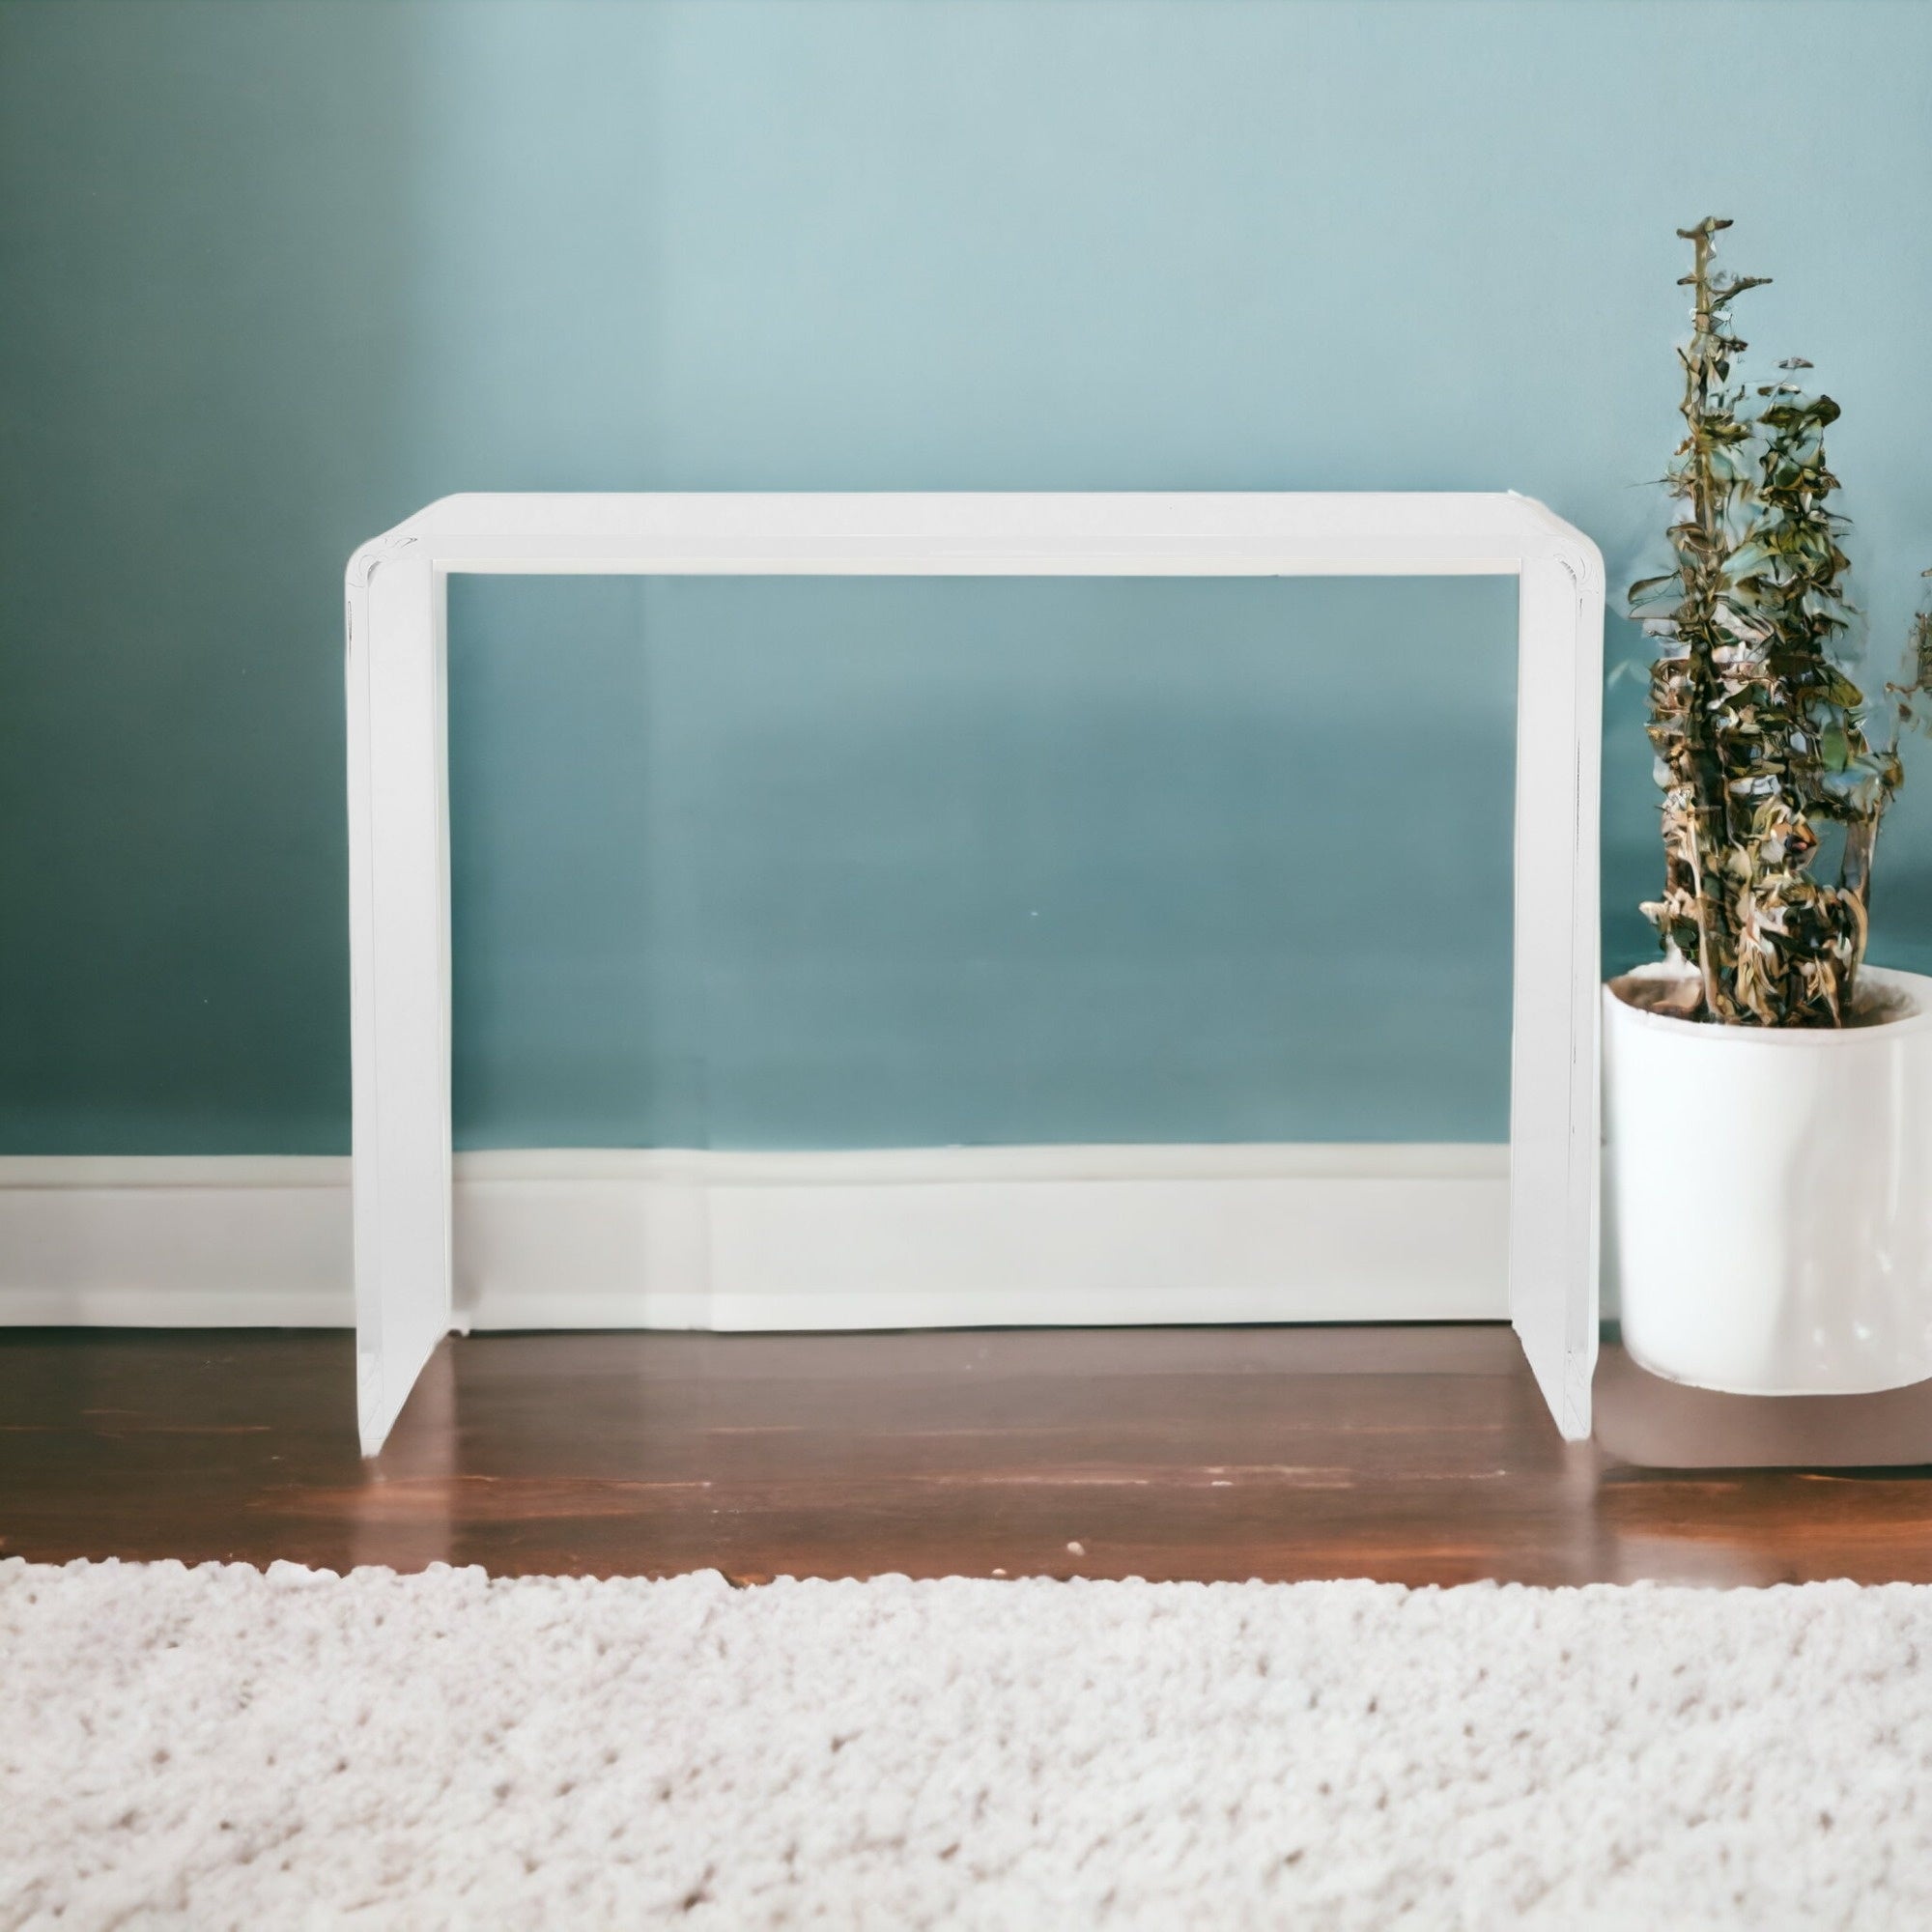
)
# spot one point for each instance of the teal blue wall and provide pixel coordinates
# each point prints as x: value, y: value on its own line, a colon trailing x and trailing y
x: 913, y: 861
x: 804, y: 864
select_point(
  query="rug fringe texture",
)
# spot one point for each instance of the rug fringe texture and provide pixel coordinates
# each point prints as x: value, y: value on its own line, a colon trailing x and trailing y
x: 225, y: 1746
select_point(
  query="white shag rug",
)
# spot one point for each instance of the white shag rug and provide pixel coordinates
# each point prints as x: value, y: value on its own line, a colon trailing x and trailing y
x: 221, y: 1747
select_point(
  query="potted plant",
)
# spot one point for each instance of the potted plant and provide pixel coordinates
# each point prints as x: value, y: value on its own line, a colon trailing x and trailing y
x: 1768, y: 1094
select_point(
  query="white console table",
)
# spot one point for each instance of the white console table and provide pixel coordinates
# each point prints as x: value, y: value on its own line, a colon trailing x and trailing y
x: 398, y: 808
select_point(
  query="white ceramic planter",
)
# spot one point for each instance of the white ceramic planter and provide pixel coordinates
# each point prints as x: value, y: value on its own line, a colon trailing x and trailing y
x: 1768, y: 1196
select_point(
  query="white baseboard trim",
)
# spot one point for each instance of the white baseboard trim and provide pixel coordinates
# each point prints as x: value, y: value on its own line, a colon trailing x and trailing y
x: 561, y: 1237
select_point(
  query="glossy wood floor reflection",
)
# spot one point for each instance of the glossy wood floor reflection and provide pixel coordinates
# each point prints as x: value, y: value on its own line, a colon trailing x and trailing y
x: 1413, y: 1455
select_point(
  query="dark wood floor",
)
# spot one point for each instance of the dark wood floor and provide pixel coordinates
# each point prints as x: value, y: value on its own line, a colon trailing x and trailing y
x: 1413, y: 1455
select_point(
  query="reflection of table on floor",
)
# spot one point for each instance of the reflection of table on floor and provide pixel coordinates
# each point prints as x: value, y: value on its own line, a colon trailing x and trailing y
x: 1663, y: 1425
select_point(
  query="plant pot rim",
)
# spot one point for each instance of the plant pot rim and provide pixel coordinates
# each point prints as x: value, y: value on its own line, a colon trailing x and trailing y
x: 1914, y: 988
